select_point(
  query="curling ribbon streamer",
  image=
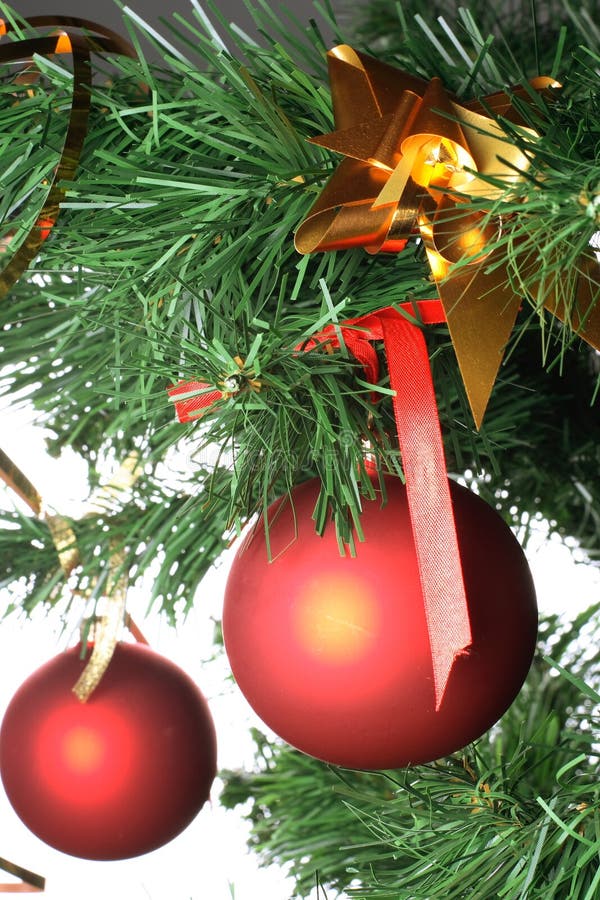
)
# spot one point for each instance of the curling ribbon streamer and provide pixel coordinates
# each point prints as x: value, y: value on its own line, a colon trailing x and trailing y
x: 64, y: 40
x: 413, y: 156
x: 63, y: 536
x: 30, y: 882
x: 420, y: 441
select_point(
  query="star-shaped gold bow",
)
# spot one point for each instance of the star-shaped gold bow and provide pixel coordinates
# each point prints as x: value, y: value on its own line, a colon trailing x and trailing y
x: 413, y: 157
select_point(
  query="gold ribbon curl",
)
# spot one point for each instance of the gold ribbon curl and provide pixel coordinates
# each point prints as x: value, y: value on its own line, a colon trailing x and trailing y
x: 107, y: 629
x: 64, y: 39
x: 30, y: 883
x: 413, y: 157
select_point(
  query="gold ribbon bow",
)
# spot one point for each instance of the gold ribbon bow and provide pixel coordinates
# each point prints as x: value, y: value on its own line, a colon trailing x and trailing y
x: 413, y: 157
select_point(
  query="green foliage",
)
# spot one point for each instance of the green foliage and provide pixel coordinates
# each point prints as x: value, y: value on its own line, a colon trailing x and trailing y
x: 524, y: 485
x: 173, y: 256
x: 513, y: 815
x: 147, y: 534
x: 517, y: 39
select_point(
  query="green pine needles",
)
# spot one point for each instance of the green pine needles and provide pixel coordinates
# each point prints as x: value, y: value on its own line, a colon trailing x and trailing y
x: 512, y: 816
x: 173, y: 256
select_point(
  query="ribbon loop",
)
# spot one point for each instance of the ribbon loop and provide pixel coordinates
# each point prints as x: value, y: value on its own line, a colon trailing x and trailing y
x: 458, y: 236
x: 65, y: 543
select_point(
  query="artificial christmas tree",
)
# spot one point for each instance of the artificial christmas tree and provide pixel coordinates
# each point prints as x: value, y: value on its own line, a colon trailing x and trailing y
x: 172, y: 263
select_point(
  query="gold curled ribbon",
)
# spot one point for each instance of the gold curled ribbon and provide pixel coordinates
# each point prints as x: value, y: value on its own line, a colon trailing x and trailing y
x: 106, y: 631
x: 61, y: 532
x: 30, y: 883
x: 413, y: 157
x: 67, y: 40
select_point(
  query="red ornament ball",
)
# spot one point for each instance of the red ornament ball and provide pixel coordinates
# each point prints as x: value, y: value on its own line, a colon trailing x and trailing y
x: 333, y: 653
x: 119, y: 775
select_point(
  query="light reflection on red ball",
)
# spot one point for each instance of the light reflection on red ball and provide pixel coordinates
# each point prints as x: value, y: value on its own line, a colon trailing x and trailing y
x: 117, y: 776
x: 87, y: 758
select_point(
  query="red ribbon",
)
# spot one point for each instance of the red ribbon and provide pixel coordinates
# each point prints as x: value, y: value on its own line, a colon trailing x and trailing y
x: 420, y: 440
x: 428, y: 492
x: 194, y: 398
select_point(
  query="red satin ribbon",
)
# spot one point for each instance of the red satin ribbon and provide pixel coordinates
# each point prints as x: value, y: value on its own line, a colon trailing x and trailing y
x: 424, y: 464
x: 420, y: 440
x: 195, y: 398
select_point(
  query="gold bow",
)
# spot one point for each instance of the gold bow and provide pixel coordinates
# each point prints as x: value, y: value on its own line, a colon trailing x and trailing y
x: 413, y: 157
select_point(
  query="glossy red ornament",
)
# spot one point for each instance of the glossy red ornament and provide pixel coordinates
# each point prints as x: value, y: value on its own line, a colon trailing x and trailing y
x: 333, y: 652
x: 119, y: 775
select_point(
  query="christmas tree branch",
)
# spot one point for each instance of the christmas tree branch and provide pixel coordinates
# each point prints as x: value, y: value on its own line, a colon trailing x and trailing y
x: 173, y: 255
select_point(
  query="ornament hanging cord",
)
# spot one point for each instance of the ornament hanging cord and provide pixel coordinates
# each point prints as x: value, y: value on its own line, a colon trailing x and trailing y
x: 107, y: 630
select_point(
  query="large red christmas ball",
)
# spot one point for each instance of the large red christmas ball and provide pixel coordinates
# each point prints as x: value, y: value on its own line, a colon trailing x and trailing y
x: 333, y: 653
x: 119, y: 775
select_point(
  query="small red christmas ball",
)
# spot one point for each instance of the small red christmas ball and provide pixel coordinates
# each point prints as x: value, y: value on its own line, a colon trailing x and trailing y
x: 333, y: 653
x: 119, y: 775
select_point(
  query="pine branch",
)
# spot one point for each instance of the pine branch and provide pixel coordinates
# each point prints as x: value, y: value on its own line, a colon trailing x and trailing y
x: 174, y: 254
x: 159, y: 531
x: 173, y: 257
x: 525, y: 38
